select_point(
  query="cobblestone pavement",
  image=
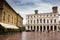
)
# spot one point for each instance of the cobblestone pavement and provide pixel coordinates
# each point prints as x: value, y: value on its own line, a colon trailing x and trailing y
x: 31, y: 36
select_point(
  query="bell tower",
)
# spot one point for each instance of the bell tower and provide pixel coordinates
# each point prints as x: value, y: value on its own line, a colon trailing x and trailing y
x: 36, y: 11
x: 54, y: 9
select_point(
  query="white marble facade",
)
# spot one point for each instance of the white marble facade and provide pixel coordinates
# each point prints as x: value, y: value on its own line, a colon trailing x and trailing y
x: 42, y: 21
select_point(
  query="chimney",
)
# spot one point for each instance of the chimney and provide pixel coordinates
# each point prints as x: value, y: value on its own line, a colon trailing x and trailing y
x: 55, y: 9
x: 36, y: 11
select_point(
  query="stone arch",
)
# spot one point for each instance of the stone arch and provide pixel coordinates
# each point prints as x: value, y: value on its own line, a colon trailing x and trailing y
x: 55, y: 27
x: 37, y: 28
x: 44, y: 28
x: 47, y: 27
x: 41, y: 28
x: 31, y: 27
x: 34, y: 28
x: 51, y: 28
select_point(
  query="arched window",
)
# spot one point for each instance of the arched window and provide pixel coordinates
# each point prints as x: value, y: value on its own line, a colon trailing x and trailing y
x: 12, y: 19
x: 55, y: 28
x: 44, y: 20
x: 44, y: 28
x: 40, y: 20
x: 37, y: 21
x: 51, y: 20
x: 51, y: 15
x: 31, y: 27
x: 34, y: 21
x: 37, y: 28
x: 3, y: 16
x: 40, y: 28
x: 51, y: 28
x: 54, y: 20
x: 47, y: 27
x: 8, y: 18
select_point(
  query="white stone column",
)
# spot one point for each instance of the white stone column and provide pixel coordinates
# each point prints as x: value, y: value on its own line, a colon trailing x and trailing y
x: 46, y: 28
x: 45, y: 20
x: 39, y: 28
x: 49, y: 27
x: 32, y: 27
x: 36, y: 28
x: 49, y: 21
x: 29, y: 27
x: 57, y: 28
x: 26, y: 27
x: 42, y: 21
x: 53, y: 27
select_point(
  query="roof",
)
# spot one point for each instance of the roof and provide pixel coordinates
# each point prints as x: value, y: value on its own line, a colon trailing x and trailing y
x: 8, y: 26
x: 41, y: 13
x: 12, y: 8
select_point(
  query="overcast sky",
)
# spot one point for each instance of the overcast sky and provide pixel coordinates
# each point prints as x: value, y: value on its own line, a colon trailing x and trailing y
x: 24, y: 7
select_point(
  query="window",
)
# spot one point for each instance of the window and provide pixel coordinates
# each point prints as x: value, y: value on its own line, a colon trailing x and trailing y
x: 4, y: 16
x: 50, y: 15
x: 15, y: 21
x: 37, y: 21
x: 54, y: 20
x: 51, y: 20
x: 12, y: 19
x: 34, y: 21
x: 44, y: 20
x: 8, y: 18
x: 40, y: 20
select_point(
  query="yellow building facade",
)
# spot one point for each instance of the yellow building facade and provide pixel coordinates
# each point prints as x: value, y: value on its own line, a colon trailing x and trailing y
x: 9, y: 16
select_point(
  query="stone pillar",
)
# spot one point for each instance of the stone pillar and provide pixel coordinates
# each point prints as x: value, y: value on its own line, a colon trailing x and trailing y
x: 32, y: 27
x: 49, y: 27
x: 42, y: 21
x: 53, y: 27
x: 57, y: 28
x: 26, y: 27
x: 29, y: 27
x: 45, y: 20
x: 39, y: 28
x: 36, y: 28
x: 46, y: 28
